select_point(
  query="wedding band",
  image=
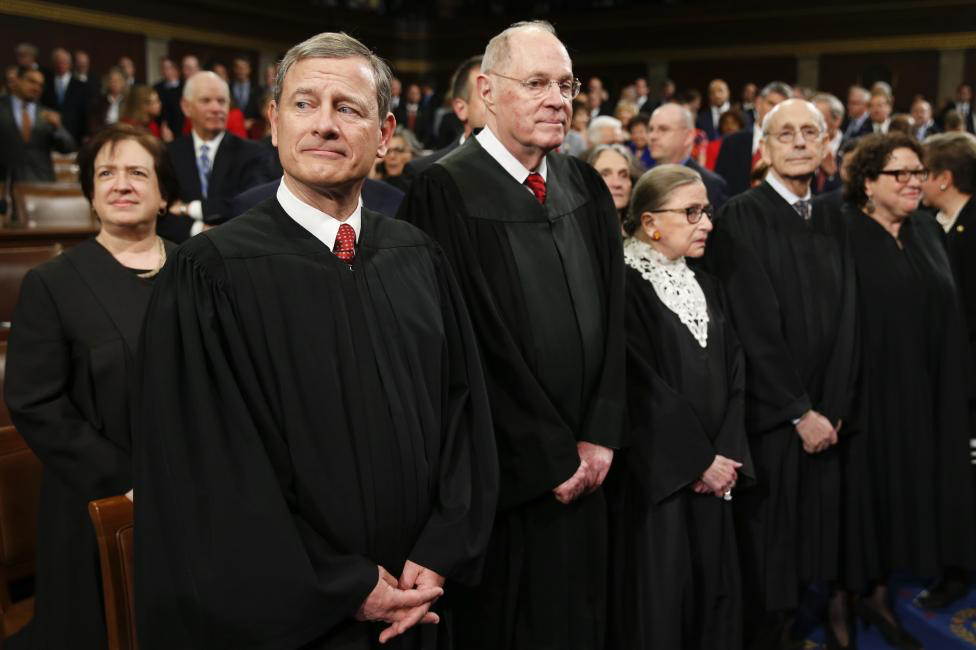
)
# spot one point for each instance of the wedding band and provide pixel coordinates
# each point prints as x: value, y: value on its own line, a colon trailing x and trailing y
x: 728, y: 495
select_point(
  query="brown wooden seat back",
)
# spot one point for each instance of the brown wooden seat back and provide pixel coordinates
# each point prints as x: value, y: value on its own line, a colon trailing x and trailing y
x: 65, y: 167
x: 46, y: 205
x: 20, y: 490
x: 112, y: 517
x: 4, y: 413
x: 14, y: 265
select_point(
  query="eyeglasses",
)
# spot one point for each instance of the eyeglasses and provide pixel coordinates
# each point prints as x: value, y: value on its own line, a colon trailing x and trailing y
x: 808, y: 133
x: 693, y: 212
x: 902, y: 175
x: 537, y: 87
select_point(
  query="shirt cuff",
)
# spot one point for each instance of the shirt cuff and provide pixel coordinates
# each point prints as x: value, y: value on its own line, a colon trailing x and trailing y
x: 194, y: 210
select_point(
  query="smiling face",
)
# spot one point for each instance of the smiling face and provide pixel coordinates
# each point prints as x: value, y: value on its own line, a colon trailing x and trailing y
x: 616, y: 173
x: 798, y: 156
x: 893, y: 200
x: 125, y: 189
x: 327, y: 126
x: 678, y: 238
x: 208, y: 104
x: 526, y: 124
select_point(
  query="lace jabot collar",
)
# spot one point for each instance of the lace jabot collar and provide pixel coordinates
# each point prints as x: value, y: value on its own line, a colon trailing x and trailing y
x: 674, y: 283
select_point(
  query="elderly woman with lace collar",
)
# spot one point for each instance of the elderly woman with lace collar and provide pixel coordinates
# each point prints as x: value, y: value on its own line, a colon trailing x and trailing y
x: 675, y: 565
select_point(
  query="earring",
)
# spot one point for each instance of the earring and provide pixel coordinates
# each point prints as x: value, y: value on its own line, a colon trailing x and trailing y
x: 943, y: 187
x: 869, y: 206
x: 656, y: 236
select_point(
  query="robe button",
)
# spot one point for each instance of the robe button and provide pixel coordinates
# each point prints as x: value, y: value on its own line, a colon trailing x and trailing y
x: 960, y: 228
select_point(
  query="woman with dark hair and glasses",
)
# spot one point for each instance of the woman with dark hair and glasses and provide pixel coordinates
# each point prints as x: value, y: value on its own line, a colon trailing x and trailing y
x: 70, y: 369
x: 675, y: 564
x: 909, y: 494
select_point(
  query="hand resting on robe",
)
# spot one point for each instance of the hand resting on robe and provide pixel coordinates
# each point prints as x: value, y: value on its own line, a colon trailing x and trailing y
x: 594, y: 464
x: 817, y: 432
x: 719, y: 478
x: 401, y: 608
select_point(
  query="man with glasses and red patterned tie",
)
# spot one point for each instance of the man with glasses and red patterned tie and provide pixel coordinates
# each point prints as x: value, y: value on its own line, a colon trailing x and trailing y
x: 314, y: 447
x: 534, y: 239
x: 787, y: 269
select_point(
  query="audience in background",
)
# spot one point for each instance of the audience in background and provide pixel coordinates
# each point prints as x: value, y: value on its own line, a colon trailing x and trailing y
x: 67, y: 94
x: 109, y: 104
x: 619, y: 169
x: 142, y: 107
x: 403, y: 148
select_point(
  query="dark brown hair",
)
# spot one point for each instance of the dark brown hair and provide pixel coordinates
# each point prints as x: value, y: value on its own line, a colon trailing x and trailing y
x: 111, y: 135
x: 956, y: 153
x: 868, y: 160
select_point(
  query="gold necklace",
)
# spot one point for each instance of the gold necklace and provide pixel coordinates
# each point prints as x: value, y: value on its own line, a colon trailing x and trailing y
x: 160, y: 260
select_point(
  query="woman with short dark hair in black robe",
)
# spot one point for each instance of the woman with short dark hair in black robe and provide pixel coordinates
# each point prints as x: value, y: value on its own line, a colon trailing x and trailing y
x: 909, y: 502
x: 675, y: 563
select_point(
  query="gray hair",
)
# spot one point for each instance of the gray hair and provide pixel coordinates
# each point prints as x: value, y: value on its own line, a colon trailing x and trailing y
x: 498, y: 51
x: 778, y: 87
x: 817, y: 115
x: 653, y: 190
x: 191, y: 84
x: 686, y: 117
x: 408, y: 137
x: 60, y: 50
x: 634, y: 167
x: 835, y: 105
x: 601, y: 122
x: 339, y: 45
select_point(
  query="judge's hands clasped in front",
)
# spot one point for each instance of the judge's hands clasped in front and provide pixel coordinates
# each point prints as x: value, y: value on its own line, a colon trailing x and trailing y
x: 817, y: 432
x: 402, y: 608
x: 594, y: 464
x: 719, y: 478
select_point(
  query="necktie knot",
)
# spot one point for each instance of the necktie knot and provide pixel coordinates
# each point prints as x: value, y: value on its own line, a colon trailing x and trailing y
x: 345, y: 243
x: 538, y: 186
x: 803, y: 208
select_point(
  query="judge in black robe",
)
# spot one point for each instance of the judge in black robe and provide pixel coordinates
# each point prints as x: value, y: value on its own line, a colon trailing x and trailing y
x: 791, y: 295
x: 544, y: 284
x: 302, y: 422
x: 70, y: 367
x: 675, y: 580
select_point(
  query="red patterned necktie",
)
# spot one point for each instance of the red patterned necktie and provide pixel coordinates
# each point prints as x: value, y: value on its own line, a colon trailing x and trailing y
x: 345, y: 244
x: 537, y: 185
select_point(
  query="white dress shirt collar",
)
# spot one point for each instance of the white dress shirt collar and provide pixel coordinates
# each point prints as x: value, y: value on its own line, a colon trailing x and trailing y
x: 212, y: 146
x: 756, y: 137
x: 777, y: 184
x: 504, y: 157
x: 717, y: 113
x: 323, y: 227
x: 835, y: 142
x: 63, y: 80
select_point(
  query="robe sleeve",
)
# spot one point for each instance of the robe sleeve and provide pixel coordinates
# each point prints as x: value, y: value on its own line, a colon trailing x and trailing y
x: 775, y: 392
x: 667, y: 448
x: 536, y: 450
x: 39, y: 375
x: 453, y: 541
x: 224, y: 558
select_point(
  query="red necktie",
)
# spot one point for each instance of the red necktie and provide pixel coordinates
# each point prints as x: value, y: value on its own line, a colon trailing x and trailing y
x: 756, y: 157
x: 345, y: 244
x: 537, y: 185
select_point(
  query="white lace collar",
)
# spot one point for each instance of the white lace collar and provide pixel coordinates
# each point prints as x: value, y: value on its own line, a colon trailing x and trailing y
x: 674, y: 283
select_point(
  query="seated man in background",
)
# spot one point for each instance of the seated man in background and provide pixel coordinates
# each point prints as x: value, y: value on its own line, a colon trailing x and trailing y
x: 212, y: 166
x: 672, y: 137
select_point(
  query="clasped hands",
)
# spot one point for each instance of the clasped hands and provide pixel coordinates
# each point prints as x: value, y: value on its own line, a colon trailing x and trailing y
x: 719, y: 478
x: 402, y: 603
x: 817, y: 432
x: 594, y: 464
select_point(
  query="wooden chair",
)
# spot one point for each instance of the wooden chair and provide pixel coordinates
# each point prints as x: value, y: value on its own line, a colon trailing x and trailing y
x: 47, y: 205
x: 65, y: 167
x: 14, y: 265
x: 112, y: 517
x: 20, y: 491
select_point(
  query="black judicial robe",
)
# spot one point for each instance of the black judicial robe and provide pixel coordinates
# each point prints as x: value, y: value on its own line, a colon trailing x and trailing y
x: 544, y: 285
x: 674, y: 561
x: 910, y: 495
x: 70, y: 366
x: 302, y: 421
x: 790, y: 288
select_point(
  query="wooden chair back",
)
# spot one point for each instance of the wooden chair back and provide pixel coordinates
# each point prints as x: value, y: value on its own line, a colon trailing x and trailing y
x: 112, y: 517
x: 14, y: 265
x: 65, y: 167
x: 20, y: 492
x: 51, y: 205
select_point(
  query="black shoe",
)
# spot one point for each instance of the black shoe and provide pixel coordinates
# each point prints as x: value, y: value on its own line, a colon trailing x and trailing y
x: 943, y: 593
x: 893, y: 633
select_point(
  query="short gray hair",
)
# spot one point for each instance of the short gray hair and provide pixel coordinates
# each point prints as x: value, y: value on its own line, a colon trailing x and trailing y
x: 339, y: 45
x: 685, y: 115
x: 653, y: 190
x: 601, y: 122
x: 498, y: 52
x: 778, y: 87
x: 196, y: 77
x: 817, y: 115
x: 835, y: 105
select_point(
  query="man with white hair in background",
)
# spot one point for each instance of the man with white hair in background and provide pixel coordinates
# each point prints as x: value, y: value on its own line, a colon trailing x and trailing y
x: 534, y: 239
x: 787, y: 268
x: 604, y: 129
x: 828, y: 174
x: 671, y: 137
x: 858, y: 123
x: 212, y: 165
x: 924, y: 123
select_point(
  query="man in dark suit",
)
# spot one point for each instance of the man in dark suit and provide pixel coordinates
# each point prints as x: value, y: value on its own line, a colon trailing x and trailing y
x: 246, y: 94
x: 858, y: 122
x: 468, y: 108
x: 718, y: 103
x: 170, y: 91
x: 671, y: 137
x: 212, y: 166
x: 411, y: 114
x: 29, y: 131
x: 740, y: 151
x: 827, y: 177
x: 67, y: 94
x: 924, y: 124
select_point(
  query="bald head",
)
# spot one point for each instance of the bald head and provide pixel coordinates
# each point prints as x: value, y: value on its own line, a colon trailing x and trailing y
x: 794, y: 140
x: 498, y: 53
x: 792, y: 109
x: 671, y: 134
x: 206, y: 100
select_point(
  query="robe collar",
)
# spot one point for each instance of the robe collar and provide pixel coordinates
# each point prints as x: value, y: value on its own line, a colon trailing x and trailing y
x: 321, y: 225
